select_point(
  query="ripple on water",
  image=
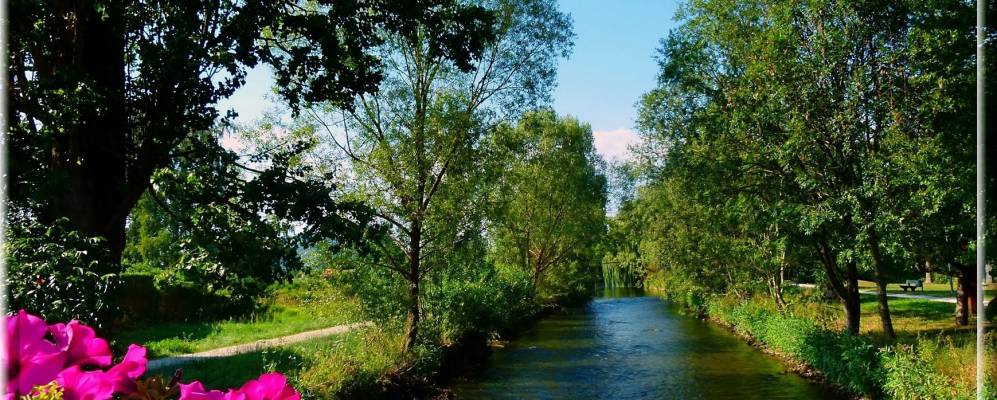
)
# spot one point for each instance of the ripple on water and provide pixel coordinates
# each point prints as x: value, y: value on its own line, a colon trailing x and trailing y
x: 636, y: 347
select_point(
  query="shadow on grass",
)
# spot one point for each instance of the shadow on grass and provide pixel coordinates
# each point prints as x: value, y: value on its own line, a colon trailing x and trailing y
x: 232, y: 371
x: 181, y: 333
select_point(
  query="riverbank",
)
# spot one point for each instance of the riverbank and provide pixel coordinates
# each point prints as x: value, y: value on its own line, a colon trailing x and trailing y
x: 368, y: 362
x: 936, y: 365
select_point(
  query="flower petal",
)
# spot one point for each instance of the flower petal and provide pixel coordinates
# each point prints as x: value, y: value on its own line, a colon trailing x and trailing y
x: 85, y: 385
x: 195, y: 391
x: 82, y: 344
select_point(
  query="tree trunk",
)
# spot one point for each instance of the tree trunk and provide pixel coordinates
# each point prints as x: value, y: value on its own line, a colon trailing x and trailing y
x: 965, y: 297
x: 91, y: 158
x: 414, y: 276
x: 880, y: 275
x: 776, y: 284
x: 413, y: 317
x: 853, y: 312
x: 847, y: 292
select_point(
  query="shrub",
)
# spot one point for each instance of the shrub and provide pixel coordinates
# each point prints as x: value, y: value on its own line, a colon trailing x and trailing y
x: 909, y: 374
x: 490, y: 303
x: 59, y: 273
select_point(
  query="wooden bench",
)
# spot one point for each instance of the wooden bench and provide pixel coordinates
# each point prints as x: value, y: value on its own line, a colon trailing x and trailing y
x: 913, y: 284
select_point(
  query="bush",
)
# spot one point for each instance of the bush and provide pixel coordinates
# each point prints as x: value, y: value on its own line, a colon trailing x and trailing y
x: 142, y: 300
x: 910, y: 375
x: 59, y: 274
x: 492, y: 302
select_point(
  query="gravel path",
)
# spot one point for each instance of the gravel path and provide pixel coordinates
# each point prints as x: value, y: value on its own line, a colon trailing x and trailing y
x: 254, y: 346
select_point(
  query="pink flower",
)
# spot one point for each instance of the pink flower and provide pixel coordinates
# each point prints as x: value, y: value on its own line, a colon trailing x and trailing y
x: 33, y: 360
x: 81, y: 344
x: 85, y: 385
x: 271, y: 386
x: 123, y: 375
x: 30, y: 359
x: 195, y: 391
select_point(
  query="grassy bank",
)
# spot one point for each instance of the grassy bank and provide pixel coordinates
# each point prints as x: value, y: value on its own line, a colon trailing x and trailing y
x: 364, y: 363
x: 306, y: 305
x: 931, y: 359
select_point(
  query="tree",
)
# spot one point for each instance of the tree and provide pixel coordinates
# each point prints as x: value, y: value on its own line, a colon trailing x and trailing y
x: 823, y: 116
x: 553, y: 196
x: 102, y: 93
x: 415, y: 147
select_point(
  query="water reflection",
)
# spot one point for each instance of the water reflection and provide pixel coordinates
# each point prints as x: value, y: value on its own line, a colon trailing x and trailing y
x: 624, y: 345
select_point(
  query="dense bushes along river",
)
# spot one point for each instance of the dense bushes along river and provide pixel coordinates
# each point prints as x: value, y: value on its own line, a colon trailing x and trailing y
x: 928, y: 368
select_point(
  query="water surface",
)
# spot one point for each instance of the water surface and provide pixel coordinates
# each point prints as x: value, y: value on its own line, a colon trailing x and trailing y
x: 624, y: 345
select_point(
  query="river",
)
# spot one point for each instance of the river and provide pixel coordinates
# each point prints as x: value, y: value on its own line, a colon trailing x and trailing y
x: 624, y: 345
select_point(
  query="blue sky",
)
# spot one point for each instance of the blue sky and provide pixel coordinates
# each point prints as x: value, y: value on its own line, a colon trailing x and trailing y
x: 611, y: 66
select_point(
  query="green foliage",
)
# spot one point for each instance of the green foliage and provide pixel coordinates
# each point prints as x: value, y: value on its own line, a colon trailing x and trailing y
x: 488, y: 303
x: 417, y: 151
x: 356, y: 365
x: 310, y: 302
x: 775, y: 146
x: 910, y: 374
x: 230, y: 224
x: 94, y: 118
x: 551, y: 231
x: 59, y: 274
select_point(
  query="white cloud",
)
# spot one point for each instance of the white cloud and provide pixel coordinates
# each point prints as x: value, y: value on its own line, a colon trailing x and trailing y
x: 615, y: 145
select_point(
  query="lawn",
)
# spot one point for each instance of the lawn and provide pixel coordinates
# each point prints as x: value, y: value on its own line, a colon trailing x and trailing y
x: 912, y: 318
x: 292, y: 309
x: 930, y: 289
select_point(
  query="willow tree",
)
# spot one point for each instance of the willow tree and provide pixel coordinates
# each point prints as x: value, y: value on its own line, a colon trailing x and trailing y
x: 414, y: 148
x: 552, y: 198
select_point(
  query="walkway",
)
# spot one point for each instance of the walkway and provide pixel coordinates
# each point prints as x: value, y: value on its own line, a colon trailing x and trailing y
x: 254, y: 346
x: 897, y: 295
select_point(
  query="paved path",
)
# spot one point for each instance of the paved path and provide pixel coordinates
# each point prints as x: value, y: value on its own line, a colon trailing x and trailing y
x: 898, y: 295
x: 254, y: 346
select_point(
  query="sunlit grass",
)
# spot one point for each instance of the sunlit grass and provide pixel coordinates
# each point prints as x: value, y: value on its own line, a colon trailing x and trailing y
x: 930, y: 289
x: 293, y: 310
x: 353, y: 363
x: 926, y: 325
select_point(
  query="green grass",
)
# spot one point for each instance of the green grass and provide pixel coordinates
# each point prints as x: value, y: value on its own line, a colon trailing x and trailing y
x: 930, y: 289
x: 357, y: 363
x: 931, y: 357
x: 913, y: 318
x: 296, y: 308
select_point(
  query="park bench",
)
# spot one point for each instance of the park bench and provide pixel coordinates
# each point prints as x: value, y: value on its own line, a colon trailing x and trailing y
x: 913, y: 284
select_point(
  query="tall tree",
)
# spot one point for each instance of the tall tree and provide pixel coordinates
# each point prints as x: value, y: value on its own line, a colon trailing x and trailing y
x: 102, y: 92
x: 553, y: 196
x: 415, y: 149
